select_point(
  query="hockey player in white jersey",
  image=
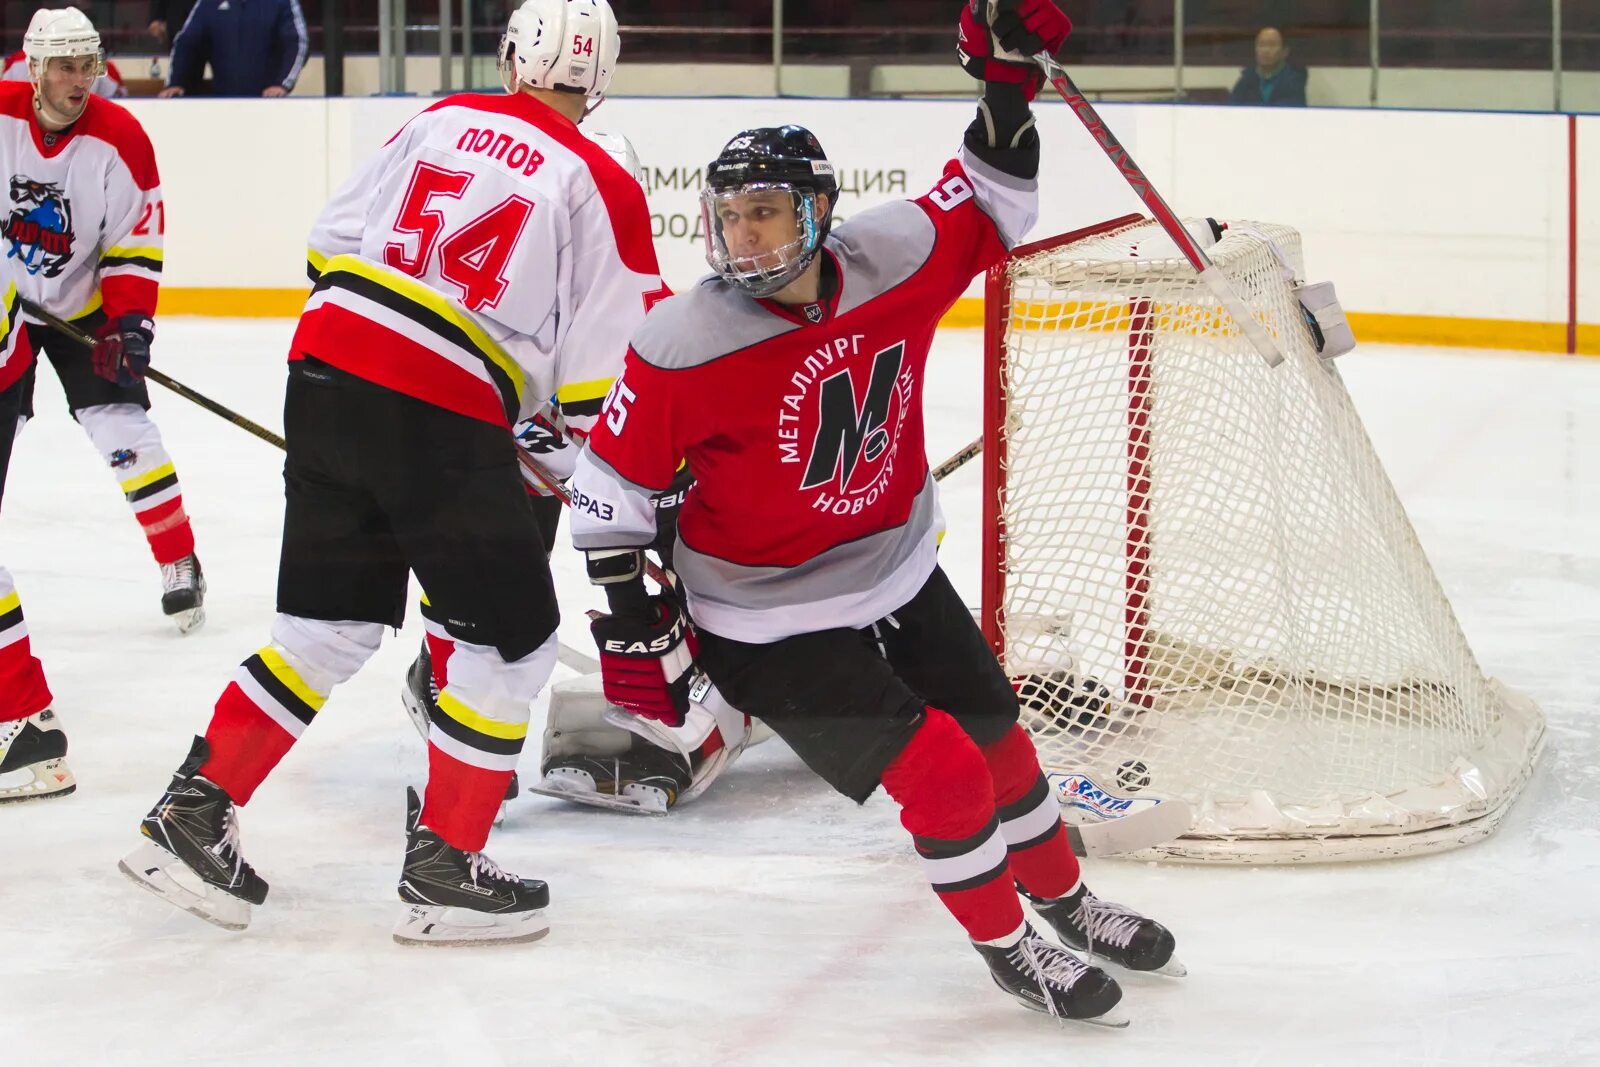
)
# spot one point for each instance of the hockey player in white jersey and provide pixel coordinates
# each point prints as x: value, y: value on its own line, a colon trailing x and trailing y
x: 33, y: 747
x: 593, y: 753
x: 485, y: 258
x: 83, y: 241
x: 552, y: 437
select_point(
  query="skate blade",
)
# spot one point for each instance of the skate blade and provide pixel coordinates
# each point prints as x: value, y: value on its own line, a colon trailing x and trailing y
x: 155, y: 870
x: 190, y: 619
x: 593, y: 799
x: 416, y: 710
x: 1173, y: 968
x: 1115, y: 1019
x: 438, y: 926
x: 38, y: 781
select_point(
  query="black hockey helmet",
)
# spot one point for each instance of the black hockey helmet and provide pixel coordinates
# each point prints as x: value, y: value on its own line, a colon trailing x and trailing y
x: 783, y: 159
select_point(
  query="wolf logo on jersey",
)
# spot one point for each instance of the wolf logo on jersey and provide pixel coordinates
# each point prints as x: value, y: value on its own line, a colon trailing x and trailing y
x: 39, y: 229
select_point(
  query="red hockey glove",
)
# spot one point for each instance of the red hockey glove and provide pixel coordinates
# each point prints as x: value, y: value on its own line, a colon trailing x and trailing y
x: 122, y: 349
x: 998, y: 38
x: 647, y: 660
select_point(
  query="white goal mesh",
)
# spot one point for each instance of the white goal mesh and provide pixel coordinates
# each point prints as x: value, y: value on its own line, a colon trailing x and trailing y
x: 1214, y: 542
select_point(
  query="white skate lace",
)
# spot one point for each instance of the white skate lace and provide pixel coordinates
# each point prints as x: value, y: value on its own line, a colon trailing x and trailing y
x: 1050, y: 966
x: 1103, y: 920
x: 228, y: 845
x: 179, y: 575
x: 482, y: 867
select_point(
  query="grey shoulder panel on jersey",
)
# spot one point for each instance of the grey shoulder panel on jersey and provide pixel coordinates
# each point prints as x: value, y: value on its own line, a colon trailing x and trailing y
x: 880, y: 248
x: 708, y: 320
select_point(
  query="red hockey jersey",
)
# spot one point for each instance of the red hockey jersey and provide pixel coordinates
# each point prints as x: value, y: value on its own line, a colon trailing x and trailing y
x: 812, y: 505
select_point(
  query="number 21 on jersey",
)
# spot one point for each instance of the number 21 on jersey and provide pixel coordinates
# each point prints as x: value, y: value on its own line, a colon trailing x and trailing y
x: 473, y: 258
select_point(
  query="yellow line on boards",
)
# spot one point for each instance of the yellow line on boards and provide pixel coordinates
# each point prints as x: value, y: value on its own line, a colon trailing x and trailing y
x: 1508, y: 334
x: 232, y: 303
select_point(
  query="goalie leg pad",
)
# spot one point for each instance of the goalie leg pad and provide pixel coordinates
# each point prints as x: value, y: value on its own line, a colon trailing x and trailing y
x: 598, y: 754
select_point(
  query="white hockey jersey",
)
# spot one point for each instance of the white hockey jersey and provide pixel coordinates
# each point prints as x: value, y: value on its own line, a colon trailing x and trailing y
x: 84, y: 220
x: 487, y: 258
x: 107, y: 85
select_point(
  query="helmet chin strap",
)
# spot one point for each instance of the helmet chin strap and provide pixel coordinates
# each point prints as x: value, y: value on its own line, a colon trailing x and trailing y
x: 49, y: 117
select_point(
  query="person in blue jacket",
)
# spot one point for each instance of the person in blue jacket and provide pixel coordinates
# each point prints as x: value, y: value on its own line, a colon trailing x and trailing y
x: 1272, y: 82
x: 255, y: 48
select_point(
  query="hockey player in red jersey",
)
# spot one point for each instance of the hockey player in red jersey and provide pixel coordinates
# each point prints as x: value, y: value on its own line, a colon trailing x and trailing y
x: 791, y: 380
x: 488, y: 256
x: 83, y: 240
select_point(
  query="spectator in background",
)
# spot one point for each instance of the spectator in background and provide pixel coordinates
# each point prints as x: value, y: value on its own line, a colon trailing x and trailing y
x: 255, y: 48
x: 167, y: 17
x: 1272, y: 82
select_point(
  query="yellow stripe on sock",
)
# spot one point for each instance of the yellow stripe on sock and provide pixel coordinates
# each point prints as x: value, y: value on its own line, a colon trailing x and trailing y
x: 10, y: 602
x: 139, y: 481
x: 506, y: 731
x: 291, y: 678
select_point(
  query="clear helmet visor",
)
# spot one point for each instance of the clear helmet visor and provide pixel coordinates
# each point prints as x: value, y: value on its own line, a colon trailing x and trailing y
x: 760, y: 236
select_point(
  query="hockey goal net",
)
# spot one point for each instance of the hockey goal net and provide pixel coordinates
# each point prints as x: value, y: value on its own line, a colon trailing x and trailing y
x: 1201, y: 576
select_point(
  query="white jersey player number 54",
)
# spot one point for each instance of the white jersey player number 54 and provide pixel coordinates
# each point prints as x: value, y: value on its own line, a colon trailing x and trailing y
x: 474, y: 257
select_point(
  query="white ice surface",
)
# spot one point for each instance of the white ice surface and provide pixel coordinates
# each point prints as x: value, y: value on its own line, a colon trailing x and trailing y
x: 771, y: 922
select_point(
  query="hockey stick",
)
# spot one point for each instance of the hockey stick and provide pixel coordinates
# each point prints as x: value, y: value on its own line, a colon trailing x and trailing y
x: 957, y: 461
x: 570, y: 657
x: 1213, y: 278
x: 67, y: 329
x: 588, y: 665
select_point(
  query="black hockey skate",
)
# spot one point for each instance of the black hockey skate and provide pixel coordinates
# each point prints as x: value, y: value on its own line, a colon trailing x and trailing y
x: 1065, y: 700
x: 33, y: 758
x: 1111, y: 932
x: 421, y: 699
x: 183, y: 592
x: 462, y: 898
x: 645, y: 780
x: 1045, y: 977
x: 190, y: 856
x: 421, y: 694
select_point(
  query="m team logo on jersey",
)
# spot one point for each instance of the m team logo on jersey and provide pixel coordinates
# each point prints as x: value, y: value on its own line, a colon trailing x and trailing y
x: 39, y: 228
x: 853, y: 432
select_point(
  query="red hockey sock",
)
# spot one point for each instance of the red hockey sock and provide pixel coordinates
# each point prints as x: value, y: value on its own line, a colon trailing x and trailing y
x: 947, y: 803
x: 158, y: 505
x: 461, y: 800
x: 1030, y: 818
x: 257, y: 720
x: 23, y: 691
x: 441, y: 646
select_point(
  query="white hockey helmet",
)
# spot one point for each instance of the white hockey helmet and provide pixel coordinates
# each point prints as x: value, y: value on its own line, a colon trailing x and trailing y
x: 60, y: 31
x: 619, y: 148
x: 563, y: 45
